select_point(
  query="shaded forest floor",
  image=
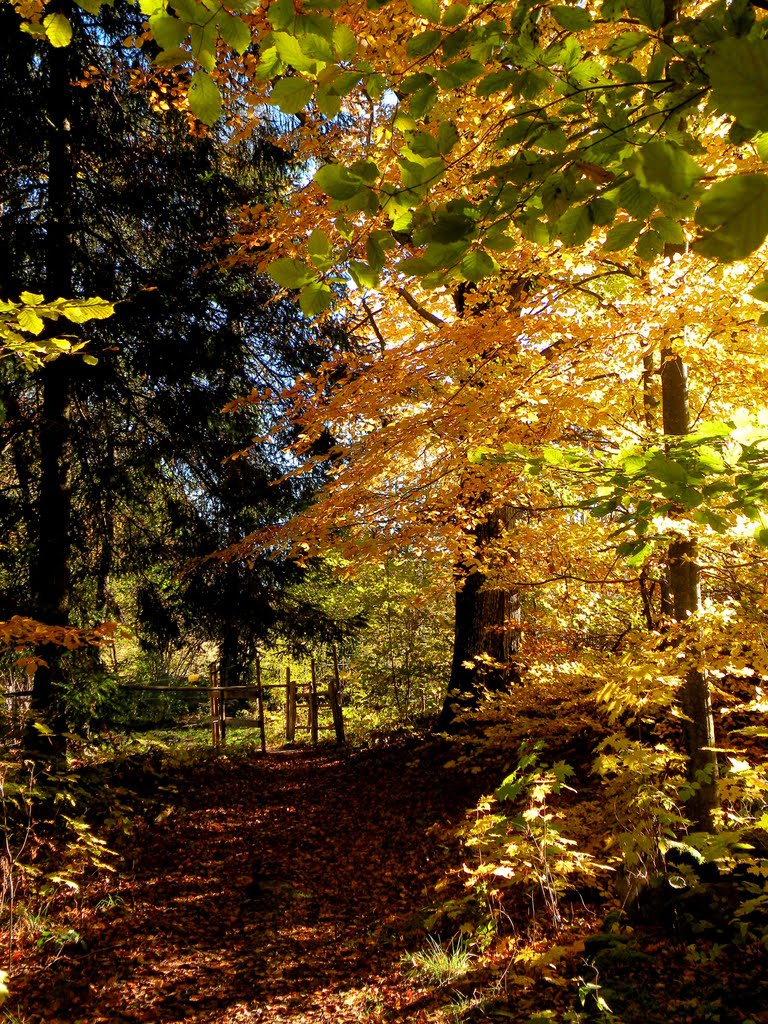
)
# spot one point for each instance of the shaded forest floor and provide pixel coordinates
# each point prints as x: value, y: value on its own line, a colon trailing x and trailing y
x: 349, y: 852
x: 346, y: 858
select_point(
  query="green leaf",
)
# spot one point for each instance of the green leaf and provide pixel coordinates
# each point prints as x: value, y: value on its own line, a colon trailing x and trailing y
x: 760, y: 142
x: 665, y: 167
x: 315, y: 25
x: 363, y: 274
x: 639, y: 555
x: 602, y: 211
x: 760, y: 291
x: 734, y: 215
x: 497, y: 81
x: 187, y: 10
x: 612, y: 10
x: 282, y: 14
x: 447, y: 137
x: 423, y: 144
x: 291, y: 94
x: 636, y: 200
x: 621, y: 236
x: 478, y: 264
x: 572, y: 19
x: 447, y: 227
x: 204, y: 97
x: 575, y: 226
x: 454, y: 15
x: 375, y: 86
x: 738, y: 73
x: 429, y: 9
x: 648, y: 12
x: 626, y: 44
x: 344, y: 83
x: 627, y: 73
x: 415, y: 174
x: 555, y: 140
x: 270, y: 65
x: 374, y: 252
x: 498, y: 240
x: 366, y: 170
x: 535, y: 231
x: 319, y: 249
x: 423, y: 101
x: 669, y: 229
x: 328, y: 103
x: 317, y: 47
x: 168, y: 32
x: 290, y: 52
x: 412, y: 83
x: 344, y: 42
x: 290, y: 273
x: 459, y: 72
x: 314, y: 298
x: 664, y: 469
x: 649, y: 246
x: 202, y: 39
x: 235, y: 32
x: 424, y: 43
x: 344, y: 227
x: 446, y: 255
x: 712, y: 519
x: 58, y: 29
x: 337, y: 182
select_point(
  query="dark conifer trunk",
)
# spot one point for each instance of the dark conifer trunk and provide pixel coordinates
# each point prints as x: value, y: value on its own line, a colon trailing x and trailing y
x: 51, y: 573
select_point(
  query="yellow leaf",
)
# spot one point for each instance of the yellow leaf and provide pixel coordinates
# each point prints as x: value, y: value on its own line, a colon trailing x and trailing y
x: 58, y: 29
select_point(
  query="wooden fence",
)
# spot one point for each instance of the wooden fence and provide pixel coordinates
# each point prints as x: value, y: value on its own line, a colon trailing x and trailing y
x: 309, y: 695
x: 312, y: 696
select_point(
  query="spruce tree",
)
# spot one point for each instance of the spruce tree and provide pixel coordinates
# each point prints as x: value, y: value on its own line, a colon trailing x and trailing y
x: 122, y: 467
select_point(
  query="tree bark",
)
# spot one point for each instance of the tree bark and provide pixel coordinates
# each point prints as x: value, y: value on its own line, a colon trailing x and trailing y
x: 685, y: 590
x: 486, y: 631
x: 51, y: 577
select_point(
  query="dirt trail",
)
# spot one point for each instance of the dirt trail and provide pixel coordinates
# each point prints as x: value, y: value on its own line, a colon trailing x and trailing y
x: 347, y: 857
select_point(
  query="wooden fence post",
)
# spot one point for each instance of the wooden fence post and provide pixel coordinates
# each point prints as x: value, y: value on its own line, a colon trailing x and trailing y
x: 213, y: 676
x: 290, y: 706
x: 334, y: 698
x: 222, y: 709
x: 313, y: 708
x: 260, y: 698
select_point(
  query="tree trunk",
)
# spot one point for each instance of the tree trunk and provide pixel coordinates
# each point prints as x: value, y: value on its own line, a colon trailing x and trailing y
x: 685, y: 589
x: 51, y: 579
x: 486, y: 632
x: 107, y: 553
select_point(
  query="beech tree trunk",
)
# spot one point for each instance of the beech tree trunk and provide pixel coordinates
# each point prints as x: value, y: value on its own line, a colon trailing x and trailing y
x: 486, y: 632
x: 685, y: 591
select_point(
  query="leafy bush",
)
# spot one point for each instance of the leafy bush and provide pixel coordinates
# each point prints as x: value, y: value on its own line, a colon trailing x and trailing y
x: 525, y: 851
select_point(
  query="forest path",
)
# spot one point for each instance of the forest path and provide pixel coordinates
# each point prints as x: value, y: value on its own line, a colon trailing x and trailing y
x: 348, y: 860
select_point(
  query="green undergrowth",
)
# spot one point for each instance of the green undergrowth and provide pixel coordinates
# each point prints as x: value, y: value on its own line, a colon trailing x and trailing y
x: 582, y: 891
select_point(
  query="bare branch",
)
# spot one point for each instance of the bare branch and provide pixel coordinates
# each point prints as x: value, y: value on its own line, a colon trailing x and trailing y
x: 423, y: 313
